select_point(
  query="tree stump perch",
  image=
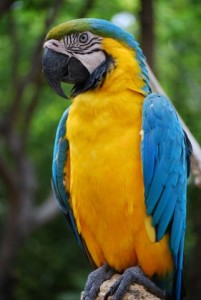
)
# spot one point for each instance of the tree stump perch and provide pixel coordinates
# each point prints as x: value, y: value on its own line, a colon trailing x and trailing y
x: 135, y: 291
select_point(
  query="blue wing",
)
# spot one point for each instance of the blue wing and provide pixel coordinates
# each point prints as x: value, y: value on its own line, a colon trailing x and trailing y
x: 61, y: 148
x: 165, y: 151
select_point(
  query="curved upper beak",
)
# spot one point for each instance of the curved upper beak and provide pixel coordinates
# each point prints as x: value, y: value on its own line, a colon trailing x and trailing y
x: 59, y: 67
x: 54, y: 66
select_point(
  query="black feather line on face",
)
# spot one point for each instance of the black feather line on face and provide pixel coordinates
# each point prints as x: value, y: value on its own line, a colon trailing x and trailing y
x: 96, y: 78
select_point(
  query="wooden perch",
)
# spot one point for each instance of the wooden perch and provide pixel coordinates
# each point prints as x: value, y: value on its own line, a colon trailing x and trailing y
x: 135, y: 292
x: 196, y: 156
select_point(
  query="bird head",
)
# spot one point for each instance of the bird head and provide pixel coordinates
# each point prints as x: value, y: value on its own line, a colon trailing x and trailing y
x: 75, y: 52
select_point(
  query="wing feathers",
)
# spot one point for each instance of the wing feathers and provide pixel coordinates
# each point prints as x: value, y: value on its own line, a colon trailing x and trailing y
x: 167, y: 194
x: 166, y: 216
x: 165, y: 152
x: 58, y: 163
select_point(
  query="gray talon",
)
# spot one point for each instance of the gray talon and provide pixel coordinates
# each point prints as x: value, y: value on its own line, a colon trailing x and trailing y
x: 133, y: 275
x: 95, y: 279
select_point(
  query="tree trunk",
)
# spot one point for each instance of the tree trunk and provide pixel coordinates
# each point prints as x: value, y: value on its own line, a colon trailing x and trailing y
x: 147, y: 30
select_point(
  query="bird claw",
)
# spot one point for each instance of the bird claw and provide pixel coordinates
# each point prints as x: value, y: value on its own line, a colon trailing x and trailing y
x: 133, y: 275
x: 94, y: 281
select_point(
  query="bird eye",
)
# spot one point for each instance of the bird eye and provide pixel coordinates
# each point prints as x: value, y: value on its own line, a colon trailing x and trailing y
x: 83, y: 38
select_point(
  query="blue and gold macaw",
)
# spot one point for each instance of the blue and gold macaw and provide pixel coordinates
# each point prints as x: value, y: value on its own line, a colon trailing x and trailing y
x: 121, y: 158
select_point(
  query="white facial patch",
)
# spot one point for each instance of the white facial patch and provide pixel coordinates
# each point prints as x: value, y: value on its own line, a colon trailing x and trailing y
x: 91, y: 61
x: 85, y: 46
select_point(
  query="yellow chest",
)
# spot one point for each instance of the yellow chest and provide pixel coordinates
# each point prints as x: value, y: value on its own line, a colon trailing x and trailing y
x: 106, y: 175
x: 105, y: 151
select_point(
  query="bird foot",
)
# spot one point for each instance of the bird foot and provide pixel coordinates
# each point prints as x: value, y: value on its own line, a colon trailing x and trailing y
x: 94, y: 281
x: 133, y: 275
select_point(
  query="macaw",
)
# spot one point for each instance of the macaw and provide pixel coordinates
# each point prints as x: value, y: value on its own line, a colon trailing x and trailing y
x: 120, y: 161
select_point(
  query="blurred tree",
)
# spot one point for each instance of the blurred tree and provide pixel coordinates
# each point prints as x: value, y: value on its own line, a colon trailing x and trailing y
x: 17, y: 171
x: 147, y: 30
x: 5, y: 5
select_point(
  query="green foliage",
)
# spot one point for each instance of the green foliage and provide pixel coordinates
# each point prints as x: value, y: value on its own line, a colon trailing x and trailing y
x: 50, y: 264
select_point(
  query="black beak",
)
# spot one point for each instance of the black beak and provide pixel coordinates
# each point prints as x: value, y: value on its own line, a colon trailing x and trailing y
x: 59, y: 67
x: 54, y: 65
